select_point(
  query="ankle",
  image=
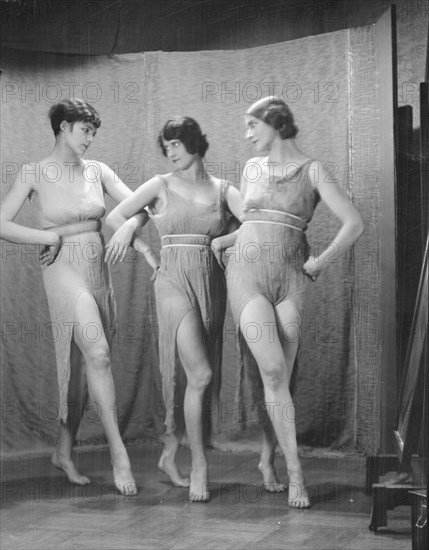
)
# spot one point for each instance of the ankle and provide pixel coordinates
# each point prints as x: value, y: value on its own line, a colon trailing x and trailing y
x: 295, y: 469
x: 167, y: 456
x: 120, y: 458
x: 61, y: 455
x: 199, y: 465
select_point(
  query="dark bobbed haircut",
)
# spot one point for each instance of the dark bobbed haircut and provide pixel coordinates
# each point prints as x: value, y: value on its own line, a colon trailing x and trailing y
x: 72, y: 110
x: 274, y: 111
x: 188, y: 131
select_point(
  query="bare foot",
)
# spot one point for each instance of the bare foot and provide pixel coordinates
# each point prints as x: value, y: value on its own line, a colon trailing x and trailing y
x: 298, y: 495
x: 67, y: 465
x: 198, y: 491
x: 271, y: 481
x: 170, y: 469
x: 122, y: 475
x: 124, y: 480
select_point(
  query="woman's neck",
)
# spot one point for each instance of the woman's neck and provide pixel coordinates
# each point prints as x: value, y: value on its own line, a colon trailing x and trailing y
x: 195, y: 174
x: 62, y: 153
x: 284, y: 151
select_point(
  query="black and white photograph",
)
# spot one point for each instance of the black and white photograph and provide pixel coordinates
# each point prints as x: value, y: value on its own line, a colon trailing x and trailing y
x: 214, y: 274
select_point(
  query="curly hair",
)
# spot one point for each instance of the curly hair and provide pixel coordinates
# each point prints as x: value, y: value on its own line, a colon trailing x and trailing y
x: 188, y: 131
x: 274, y: 111
x: 72, y: 110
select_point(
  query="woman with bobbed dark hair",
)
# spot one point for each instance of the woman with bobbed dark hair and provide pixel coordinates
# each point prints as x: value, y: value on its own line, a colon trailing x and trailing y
x: 188, y: 132
x: 72, y: 111
x: 68, y: 193
x: 190, y: 209
x: 280, y: 193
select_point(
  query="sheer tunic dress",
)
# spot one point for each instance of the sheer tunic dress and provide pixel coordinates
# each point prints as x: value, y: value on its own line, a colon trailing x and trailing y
x: 269, y: 253
x: 189, y: 279
x: 79, y: 267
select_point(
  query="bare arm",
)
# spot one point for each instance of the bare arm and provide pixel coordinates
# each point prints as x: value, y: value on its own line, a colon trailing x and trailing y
x: 235, y: 205
x: 234, y: 200
x: 134, y: 203
x: 16, y: 233
x: 125, y: 234
x: 125, y: 218
x: 11, y: 205
x: 352, y: 225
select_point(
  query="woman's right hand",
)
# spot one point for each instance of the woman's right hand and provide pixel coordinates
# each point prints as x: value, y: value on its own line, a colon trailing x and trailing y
x: 50, y: 251
x: 117, y: 247
x: 218, y: 247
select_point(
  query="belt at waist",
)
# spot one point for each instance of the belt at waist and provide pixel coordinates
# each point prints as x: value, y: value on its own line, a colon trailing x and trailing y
x: 277, y: 217
x: 69, y: 229
x: 185, y: 240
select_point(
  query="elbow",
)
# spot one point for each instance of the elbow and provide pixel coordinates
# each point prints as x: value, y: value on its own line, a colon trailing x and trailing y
x: 361, y: 228
x: 3, y: 226
x: 112, y: 220
x: 109, y: 220
x: 358, y: 228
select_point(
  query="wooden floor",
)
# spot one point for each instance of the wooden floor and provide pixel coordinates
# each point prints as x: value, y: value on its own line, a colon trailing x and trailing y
x: 41, y: 510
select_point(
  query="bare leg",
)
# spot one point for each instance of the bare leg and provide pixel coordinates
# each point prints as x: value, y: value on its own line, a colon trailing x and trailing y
x: 271, y: 482
x: 276, y: 369
x: 167, y: 462
x: 193, y: 356
x: 289, y: 318
x: 96, y: 352
x: 77, y: 398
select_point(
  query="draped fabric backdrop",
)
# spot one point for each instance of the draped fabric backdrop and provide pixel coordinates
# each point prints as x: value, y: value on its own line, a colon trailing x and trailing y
x: 328, y: 81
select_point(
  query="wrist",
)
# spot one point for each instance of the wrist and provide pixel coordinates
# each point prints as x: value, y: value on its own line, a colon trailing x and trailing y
x: 141, y: 246
x: 52, y: 238
x: 133, y: 223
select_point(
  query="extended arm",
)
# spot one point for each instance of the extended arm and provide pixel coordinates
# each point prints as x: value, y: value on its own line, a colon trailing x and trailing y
x: 125, y: 219
x: 125, y: 234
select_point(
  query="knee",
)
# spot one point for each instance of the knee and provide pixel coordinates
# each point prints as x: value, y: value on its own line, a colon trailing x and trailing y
x: 98, y: 357
x: 201, y: 379
x: 273, y: 375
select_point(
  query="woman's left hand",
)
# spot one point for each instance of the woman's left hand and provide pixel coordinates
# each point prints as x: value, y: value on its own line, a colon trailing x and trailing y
x: 116, y: 248
x: 312, y: 268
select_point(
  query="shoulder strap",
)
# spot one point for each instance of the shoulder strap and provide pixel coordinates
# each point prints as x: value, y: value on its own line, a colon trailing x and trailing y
x: 95, y: 174
x: 223, y: 202
x: 164, y: 181
x: 314, y: 192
